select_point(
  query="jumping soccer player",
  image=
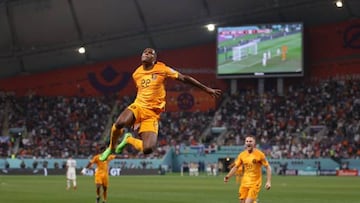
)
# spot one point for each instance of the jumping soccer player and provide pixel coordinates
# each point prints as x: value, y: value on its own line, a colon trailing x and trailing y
x: 149, y: 103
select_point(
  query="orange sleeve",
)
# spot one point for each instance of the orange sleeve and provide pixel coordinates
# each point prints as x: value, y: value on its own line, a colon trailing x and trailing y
x: 238, y: 161
x: 263, y: 159
x: 171, y: 73
x: 94, y: 159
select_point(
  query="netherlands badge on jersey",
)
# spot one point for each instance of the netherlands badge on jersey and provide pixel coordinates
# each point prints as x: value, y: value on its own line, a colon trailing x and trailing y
x: 154, y: 76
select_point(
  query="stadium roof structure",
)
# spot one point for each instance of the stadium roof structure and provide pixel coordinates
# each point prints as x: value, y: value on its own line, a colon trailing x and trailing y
x: 41, y: 35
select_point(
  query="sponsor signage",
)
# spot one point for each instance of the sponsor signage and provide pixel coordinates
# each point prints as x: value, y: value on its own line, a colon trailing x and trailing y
x: 291, y: 172
x: 306, y: 173
x: 88, y: 172
x: 328, y: 172
x: 347, y: 172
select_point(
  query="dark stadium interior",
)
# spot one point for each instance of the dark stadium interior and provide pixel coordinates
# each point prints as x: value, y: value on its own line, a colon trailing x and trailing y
x: 52, y: 104
x: 40, y: 35
x: 288, y: 116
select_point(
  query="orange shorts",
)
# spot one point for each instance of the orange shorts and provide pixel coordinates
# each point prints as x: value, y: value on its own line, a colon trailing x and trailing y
x: 148, y: 119
x: 249, y: 192
x: 102, y: 179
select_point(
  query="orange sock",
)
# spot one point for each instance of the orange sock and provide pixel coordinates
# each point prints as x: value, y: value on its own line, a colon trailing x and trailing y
x: 137, y: 143
x: 114, y: 136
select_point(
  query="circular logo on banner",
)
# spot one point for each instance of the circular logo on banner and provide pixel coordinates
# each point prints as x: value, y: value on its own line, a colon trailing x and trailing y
x: 185, y: 101
x: 352, y: 37
x: 105, y: 82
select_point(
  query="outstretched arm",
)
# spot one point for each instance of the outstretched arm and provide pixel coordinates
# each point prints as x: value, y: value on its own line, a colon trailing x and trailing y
x: 192, y: 81
x: 88, y: 165
x: 268, y: 177
x: 83, y: 171
x: 231, y: 173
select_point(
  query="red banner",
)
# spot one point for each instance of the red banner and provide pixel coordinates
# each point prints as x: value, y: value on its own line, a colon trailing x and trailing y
x: 189, y: 101
x: 114, y: 76
x: 347, y: 172
x: 334, y: 50
x: 92, y: 80
x: 334, y: 41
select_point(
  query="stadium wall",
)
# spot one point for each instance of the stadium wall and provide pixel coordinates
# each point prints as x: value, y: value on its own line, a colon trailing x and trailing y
x: 113, y: 76
x: 191, y: 155
x: 81, y: 163
x: 173, y: 162
x: 200, y: 61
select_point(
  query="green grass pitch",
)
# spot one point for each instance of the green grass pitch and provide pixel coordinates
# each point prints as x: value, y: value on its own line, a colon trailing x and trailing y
x: 178, y: 189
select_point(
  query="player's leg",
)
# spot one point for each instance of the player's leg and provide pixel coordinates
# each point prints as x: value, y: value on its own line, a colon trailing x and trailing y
x: 126, y: 118
x: 249, y: 200
x: 243, y: 193
x: 148, y: 131
x: 68, y: 182
x: 105, y: 184
x: 104, y: 194
x: 149, y: 142
x: 98, y: 184
x: 74, y: 184
x: 252, y: 194
x: 146, y: 144
x: 98, y: 187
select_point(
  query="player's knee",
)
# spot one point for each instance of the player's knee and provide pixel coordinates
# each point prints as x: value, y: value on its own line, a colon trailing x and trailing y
x: 148, y: 150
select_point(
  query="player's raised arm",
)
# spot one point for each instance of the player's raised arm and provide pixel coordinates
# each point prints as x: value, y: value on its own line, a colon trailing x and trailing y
x: 192, y: 81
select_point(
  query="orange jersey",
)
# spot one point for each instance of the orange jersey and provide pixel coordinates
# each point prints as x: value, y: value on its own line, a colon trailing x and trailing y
x: 151, y: 85
x: 102, y: 166
x: 252, y: 163
x: 239, y: 173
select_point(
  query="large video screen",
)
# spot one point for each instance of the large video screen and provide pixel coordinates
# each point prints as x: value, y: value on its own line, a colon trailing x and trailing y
x: 256, y: 51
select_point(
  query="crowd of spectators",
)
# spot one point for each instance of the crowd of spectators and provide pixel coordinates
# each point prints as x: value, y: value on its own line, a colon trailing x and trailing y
x: 5, y: 139
x: 281, y: 123
x: 59, y: 126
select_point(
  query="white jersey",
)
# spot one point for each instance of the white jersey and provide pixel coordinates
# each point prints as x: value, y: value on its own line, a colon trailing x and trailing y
x: 71, y: 168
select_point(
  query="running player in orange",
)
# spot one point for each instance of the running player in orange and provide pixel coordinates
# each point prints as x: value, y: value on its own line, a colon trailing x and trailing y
x: 145, y: 111
x: 251, y: 159
x: 284, y: 50
x: 239, y: 174
x: 101, y: 175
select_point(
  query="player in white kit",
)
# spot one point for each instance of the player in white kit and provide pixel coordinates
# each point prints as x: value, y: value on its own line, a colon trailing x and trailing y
x: 71, y: 173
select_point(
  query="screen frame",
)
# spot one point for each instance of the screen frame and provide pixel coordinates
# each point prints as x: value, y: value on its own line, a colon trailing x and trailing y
x: 254, y: 74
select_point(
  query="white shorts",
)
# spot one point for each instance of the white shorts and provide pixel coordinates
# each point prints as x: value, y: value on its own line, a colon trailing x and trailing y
x: 71, y: 175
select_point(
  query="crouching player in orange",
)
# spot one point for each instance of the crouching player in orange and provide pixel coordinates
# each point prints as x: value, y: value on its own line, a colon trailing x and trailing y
x: 251, y: 159
x: 101, y: 175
